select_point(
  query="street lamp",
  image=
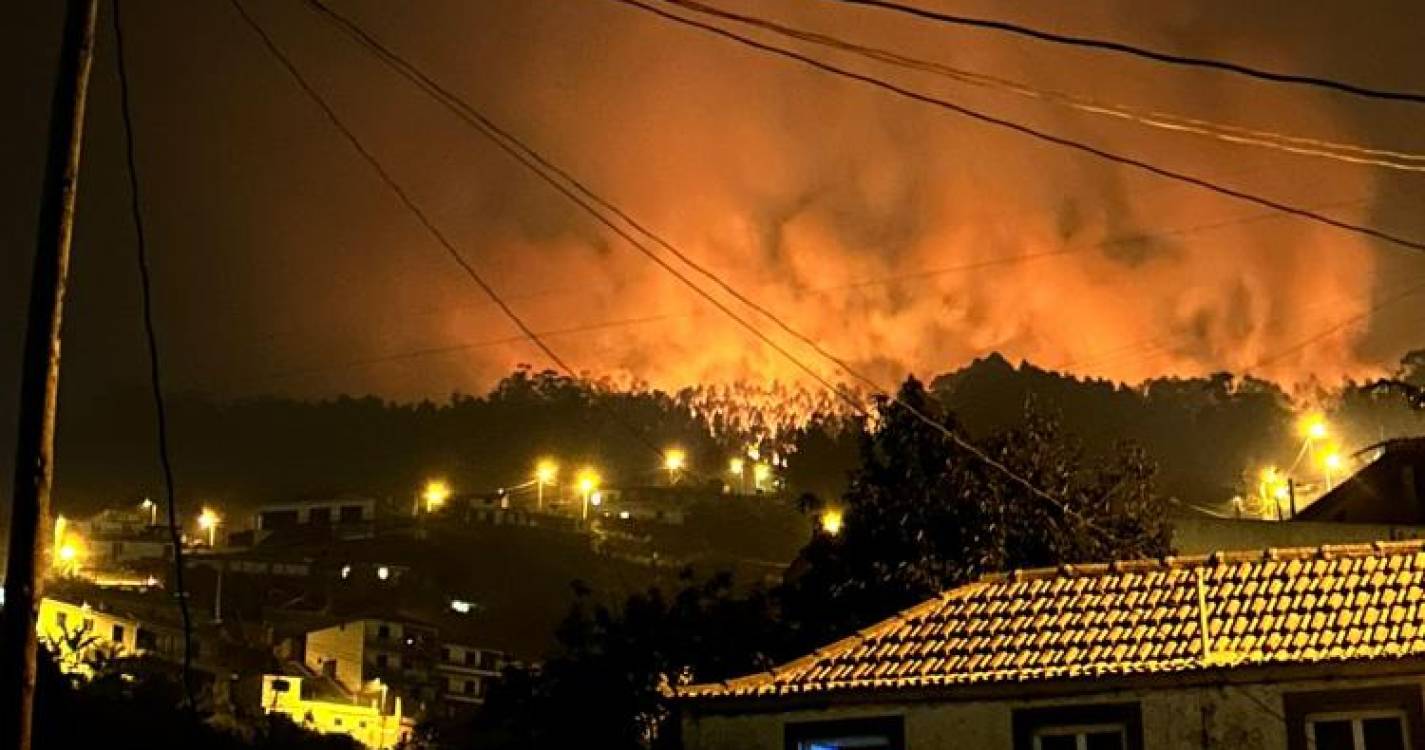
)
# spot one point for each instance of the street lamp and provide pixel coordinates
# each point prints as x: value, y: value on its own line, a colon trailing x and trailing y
x: 1332, y: 462
x: 587, y: 481
x: 760, y: 474
x: 545, y: 472
x: 735, y: 467
x: 831, y: 519
x: 152, y: 509
x: 436, y: 492
x: 674, y: 459
x: 208, y: 521
x: 1313, y: 427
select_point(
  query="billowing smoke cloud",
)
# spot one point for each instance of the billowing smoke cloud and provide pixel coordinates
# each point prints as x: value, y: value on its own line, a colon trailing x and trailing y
x: 901, y: 237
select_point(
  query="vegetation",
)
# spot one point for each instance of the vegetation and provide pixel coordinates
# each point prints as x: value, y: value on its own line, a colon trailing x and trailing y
x: 136, y: 704
x: 920, y: 515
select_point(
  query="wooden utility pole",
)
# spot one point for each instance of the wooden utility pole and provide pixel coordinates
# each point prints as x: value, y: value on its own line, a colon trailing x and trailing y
x: 39, y: 379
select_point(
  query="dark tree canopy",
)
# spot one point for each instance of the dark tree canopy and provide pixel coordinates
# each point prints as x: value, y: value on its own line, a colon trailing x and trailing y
x: 920, y: 515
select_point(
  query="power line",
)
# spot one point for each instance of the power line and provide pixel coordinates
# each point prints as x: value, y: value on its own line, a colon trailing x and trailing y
x: 1344, y: 152
x: 536, y: 163
x: 533, y: 160
x: 1145, y: 53
x: 1033, y: 132
x: 396, y: 188
x: 155, y: 371
x: 415, y: 209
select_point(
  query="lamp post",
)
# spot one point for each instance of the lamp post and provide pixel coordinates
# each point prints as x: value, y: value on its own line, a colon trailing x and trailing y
x: 436, y: 492
x: 588, y: 481
x: 208, y: 521
x: 545, y: 472
x: 674, y: 459
x: 736, y: 467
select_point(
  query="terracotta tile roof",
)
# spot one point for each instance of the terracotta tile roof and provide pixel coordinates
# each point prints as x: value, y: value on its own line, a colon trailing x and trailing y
x: 1279, y: 606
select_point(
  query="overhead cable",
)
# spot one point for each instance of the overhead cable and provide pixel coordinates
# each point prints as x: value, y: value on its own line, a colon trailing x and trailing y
x: 1301, y: 145
x: 1344, y: 87
x: 1032, y: 132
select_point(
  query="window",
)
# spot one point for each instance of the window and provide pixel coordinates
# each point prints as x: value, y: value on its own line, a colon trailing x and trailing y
x: 883, y: 733
x: 1101, y: 737
x: 445, y: 654
x: 60, y: 618
x: 320, y: 516
x: 1369, y: 730
x: 351, y: 514
x: 472, y: 687
x: 145, y: 640
x: 1094, y: 726
x: 383, y: 632
x: 1380, y: 718
x: 117, y: 634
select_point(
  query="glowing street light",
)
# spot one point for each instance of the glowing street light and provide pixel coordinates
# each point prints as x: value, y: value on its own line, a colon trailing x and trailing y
x: 152, y: 509
x: 208, y: 521
x: 674, y: 459
x: 831, y: 520
x: 545, y: 472
x: 1313, y: 427
x: 587, y: 481
x: 1332, y: 463
x: 436, y: 492
x: 1274, y: 488
x: 760, y: 474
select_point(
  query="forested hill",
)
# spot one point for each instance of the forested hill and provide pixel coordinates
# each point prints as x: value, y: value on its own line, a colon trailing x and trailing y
x: 1205, y: 433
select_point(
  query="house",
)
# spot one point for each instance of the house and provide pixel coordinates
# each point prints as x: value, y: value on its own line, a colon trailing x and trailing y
x: 1300, y: 648
x: 344, y: 517
x: 77, y: 631
x: 372, y: 716
x: 465, y: 674
x: 400, y: 654
x: 1388, y: 490
x: 1385, y: 499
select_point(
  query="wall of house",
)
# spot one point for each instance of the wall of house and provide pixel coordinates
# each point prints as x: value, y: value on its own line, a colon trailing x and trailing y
x: 343, y: 644
x: 1226, y: 717
x: 63, y: 626
x: 364, y: 723
x: 1202, y: 535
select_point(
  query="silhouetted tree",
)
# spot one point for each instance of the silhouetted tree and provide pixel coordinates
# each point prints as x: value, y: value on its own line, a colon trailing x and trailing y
x: 922, y: 515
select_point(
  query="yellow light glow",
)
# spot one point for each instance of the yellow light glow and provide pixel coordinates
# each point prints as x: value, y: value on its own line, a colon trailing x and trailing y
x: 436, y: 492
x: 1313, y: 427
x: 546, y: 471
x: 208, y: 519
x: 1332, y: 461
x: 596, y: 498
x: 736, y: 466
x: 761, y: 473
x: 68, y: 553
x: 674, y: 459
x: 588, y: 480
x: 831, y: 519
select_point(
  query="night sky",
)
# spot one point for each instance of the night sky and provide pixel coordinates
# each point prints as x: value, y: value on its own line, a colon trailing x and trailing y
x: 283, y: 265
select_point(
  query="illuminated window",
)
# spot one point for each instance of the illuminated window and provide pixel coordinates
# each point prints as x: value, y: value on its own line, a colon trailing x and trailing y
x: 1389, y: 717
x: 884, y: 733
x: 1095, y: 726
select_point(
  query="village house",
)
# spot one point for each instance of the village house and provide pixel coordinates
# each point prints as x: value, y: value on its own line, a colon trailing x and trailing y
x: 1300, y: 648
